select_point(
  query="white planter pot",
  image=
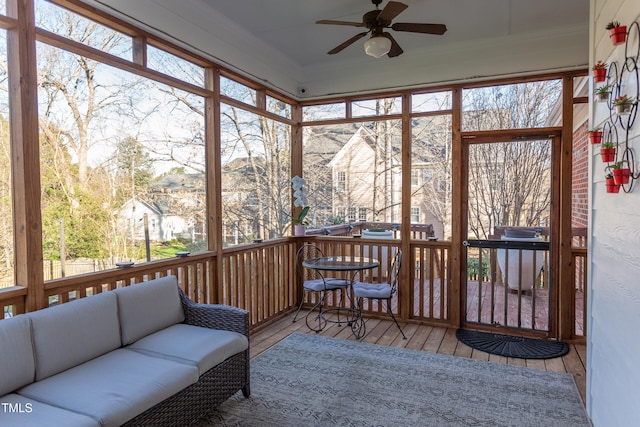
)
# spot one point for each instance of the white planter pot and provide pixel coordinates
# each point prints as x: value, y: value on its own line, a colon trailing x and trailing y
x: 384, y: 234
x: 299, y: 230
x: 623, y: 109
x: 512, y: 275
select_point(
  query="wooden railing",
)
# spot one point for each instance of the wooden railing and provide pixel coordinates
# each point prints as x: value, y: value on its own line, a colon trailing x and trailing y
x: 195, y: 275
x: 13, y: 300
x: 431, y: 278
x: 579, y: 258
x: 429, y: 275
x: 262, y: 278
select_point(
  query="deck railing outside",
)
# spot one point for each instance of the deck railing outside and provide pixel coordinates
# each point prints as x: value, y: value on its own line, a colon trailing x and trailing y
x: 418, y: 231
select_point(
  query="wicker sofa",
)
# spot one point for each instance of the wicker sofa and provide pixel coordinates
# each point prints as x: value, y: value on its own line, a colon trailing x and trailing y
x: 140, y: 355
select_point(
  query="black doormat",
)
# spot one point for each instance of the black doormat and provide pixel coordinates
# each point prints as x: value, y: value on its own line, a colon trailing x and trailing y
x: 512, y: 346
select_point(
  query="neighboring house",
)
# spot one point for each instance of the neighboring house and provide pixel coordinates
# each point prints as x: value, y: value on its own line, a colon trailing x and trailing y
x: 354, y: 172
x: 430, y: 194
x: 366, y: 186
x: 173, y: 207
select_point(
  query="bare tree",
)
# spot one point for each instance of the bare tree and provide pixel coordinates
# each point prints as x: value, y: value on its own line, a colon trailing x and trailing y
x: 387, y: 163
x: 6, y: 225
x: 78, y: 101
x: 509, y: 181
x: 431, y: 162
x: 256, y: 165
x: 71, y: 93
x: 263, y: 145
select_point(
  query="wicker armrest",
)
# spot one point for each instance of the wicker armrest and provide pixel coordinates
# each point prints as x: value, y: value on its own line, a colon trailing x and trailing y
x: 215, y: 316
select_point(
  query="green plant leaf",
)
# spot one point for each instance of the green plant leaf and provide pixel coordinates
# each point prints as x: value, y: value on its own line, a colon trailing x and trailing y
x: 303, y: 213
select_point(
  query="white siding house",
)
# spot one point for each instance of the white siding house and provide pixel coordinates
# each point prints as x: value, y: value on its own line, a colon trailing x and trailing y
x: 613, y: 372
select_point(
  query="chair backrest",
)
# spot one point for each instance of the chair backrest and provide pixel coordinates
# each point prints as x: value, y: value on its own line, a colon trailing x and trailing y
x: 308, y: 251
x: 395, y: 272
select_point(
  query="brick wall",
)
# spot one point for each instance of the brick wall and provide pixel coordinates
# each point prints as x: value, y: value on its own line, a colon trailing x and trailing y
x: 580, y: 178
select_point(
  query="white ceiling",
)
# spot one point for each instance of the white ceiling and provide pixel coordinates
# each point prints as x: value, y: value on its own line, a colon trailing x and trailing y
x: 278, y: 42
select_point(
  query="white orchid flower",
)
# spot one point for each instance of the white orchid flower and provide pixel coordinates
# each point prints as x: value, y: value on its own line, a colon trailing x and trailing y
x: 300, y: 195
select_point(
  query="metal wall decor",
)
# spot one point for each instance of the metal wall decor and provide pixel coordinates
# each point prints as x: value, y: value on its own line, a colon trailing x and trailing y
x: 624, y: 81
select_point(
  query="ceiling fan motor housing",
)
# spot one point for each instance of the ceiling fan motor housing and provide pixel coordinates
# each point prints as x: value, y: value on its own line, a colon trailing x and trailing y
x: 370, y: 20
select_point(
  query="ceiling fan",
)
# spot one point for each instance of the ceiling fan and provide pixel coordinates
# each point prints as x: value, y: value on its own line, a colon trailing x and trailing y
x: 376, y: 21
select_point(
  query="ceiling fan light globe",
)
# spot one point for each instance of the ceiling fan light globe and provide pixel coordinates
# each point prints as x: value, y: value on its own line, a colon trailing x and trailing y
x: 377, y: 46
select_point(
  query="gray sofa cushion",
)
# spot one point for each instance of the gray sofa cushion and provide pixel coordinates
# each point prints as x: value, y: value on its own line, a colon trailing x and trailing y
x: 17, y: 366
x: 114, y: 387
x: 201, y: 347
x: 32, y: 413
x: 72, y: 333
x: 148, y: 307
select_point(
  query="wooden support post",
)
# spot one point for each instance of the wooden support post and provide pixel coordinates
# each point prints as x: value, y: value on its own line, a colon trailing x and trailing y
x: 25, y: 151
x: 457, y: 254
x: 405, y: 285
x: 564, y: 271
x: 213, y: 289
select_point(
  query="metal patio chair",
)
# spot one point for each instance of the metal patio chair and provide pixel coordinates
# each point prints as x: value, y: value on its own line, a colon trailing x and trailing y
x: 383, y: 292
x: 314, y: 282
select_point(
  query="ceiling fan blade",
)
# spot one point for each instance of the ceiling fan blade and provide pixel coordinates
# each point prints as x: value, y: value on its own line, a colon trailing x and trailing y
x: 438, y: 29
x: 347, y: 43
x: 391, y: 10
x: 350, y: 24
x: 395, y: 50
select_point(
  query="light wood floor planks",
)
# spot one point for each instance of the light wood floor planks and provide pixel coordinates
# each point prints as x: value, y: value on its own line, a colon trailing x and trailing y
x: 433, y: 339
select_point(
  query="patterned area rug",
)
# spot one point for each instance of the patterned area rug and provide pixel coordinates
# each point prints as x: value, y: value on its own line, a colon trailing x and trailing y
x: 512, y: 346
x: 310, y: 380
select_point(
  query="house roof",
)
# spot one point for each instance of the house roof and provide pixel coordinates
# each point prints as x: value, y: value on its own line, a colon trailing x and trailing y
x: 179, y: 182
x: 361, y: 135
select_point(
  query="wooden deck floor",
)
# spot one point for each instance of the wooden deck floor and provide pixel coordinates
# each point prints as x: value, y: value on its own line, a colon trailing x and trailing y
x: 424, y: 338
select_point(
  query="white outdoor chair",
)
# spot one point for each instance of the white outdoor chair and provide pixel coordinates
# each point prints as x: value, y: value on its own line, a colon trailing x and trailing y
x: 378, y: 291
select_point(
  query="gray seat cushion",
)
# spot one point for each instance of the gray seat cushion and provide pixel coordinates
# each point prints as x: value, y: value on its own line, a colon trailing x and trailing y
x: 327, y: 284
x: 197, y: 346
x: 115, y: 387
x: 27, y: 412
x: 72, y: 333
x: 17, y: 365
x: 371, y: 290
x: 148, y: 307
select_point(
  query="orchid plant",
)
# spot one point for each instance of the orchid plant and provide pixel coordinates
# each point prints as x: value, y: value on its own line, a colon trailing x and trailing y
x: 300, y: 195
